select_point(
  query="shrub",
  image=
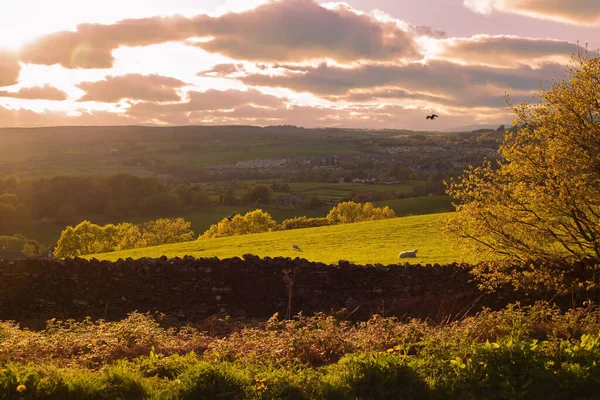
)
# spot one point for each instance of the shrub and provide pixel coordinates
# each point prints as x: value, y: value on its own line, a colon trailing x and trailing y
x: 256, y: 221
x: 373, y: 376
x: 349, y: 212
x: 303, y: 222
x: 89, y: 238
x: 532, y: 352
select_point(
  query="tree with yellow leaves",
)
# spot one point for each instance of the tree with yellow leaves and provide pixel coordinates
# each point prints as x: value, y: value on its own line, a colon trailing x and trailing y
x: 536, y: 214
x: 256, y: 221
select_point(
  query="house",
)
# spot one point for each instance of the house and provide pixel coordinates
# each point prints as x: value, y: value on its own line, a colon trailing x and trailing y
x: 289, y: 200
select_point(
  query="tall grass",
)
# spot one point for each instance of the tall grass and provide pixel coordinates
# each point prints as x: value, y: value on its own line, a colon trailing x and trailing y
x: 534, y: 352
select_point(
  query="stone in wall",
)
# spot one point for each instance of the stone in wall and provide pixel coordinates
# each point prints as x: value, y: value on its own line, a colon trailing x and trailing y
x: 192, y: 288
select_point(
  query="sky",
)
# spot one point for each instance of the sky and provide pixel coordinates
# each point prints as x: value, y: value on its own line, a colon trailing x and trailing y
x: 355, y: 64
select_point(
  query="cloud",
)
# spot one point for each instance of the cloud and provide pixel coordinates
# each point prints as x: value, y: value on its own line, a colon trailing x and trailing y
x: 284, y: 30
x: 221, y: 70
x: 134, y: 87
x: 428, y: 31
x: 9, y: 68
x: 299, y: 30
x: 209, y: 100
x: 22, y: 117
x: 505, y: 50
x: 486, y: 97
x: 576, y: 12
x: 352, y: 116
x: 91, y: 45
x: 437, y: 78
x: 355, y: 116
x: 45, y: 92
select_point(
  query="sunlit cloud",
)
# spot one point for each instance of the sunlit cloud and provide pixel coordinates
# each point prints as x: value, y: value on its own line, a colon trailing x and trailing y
x: 269, y: 62
x: 286, y: 30
x: 133, y: 86
x: 9, y: 68
x: 36, y: 92
x: 503, y: 50
x: 442, y: 77
x: 576, y: 12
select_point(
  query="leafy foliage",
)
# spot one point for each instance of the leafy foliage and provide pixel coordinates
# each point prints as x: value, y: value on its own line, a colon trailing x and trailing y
x: 303, y: 222
x: 260, y: 193
x: 66, y: 198
x: 256, y: 221
x: 365, y: 243
x: 19, y: 243
x: 533, y: 352
x: 542, y: 201
x: 349, y: 212
x: 89, y: 238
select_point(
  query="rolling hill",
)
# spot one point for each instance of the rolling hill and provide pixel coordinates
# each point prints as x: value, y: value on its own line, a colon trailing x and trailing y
x: 362, y: 243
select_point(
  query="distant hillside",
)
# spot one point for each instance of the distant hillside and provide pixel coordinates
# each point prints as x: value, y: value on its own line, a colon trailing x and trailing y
x: 474, y: 127
x: 362, y: 243
x: 182, y: 151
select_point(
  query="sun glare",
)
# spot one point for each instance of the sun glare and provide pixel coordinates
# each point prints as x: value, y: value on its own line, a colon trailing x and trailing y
x: 25, y: 20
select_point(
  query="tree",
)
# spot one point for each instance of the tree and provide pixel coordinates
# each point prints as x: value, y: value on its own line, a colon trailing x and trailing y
x: 160, y: 203
x: 229, y: 198
x: 541, y: 202
x: 85, y: 238
x: 128, y: 236
x: 314, y: 202
x: 89, y: 238
x: 16, y: 243
x: 11, y: 182
x: 165, y: 231
x: 9, y: 198
x: 14, y: 218
x: 260, y: 193
x: 65, y: 214
x: 252, y: 222
x: 349, y: 212
x: 10, y: 244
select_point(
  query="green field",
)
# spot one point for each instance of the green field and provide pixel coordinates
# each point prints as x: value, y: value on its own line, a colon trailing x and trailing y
x: 362, y: 243
x: 418, y: 205
x: 47, y: 152
x: 332, y: 193
x: 201, y: 220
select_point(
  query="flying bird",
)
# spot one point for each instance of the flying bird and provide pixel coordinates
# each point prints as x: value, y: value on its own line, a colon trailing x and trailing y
x: 230, y: 217
x: 432, y: 116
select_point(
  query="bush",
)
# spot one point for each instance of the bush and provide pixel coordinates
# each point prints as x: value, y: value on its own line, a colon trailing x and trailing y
x: 256, y: 221
x: 533, y: 352
x: 349, y: 212
x: 16, y: 243
x: 89, y: 238
x: 303, y: 222
x: 165, y: 231
x: 373, y: 376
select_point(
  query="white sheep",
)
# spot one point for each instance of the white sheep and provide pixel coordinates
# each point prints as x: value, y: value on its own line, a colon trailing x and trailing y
x: 296, y: 247
x: 406, y: 254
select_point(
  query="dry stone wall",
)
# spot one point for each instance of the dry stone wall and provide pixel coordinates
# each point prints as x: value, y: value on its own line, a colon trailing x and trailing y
x: 189, y: 288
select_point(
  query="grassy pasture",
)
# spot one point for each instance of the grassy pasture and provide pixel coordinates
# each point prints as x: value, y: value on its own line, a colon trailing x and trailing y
x: 363, y: 243
x: 46, y: 152
x: 202, y: 219
x: 332, y: 193
x: 418, y: 205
